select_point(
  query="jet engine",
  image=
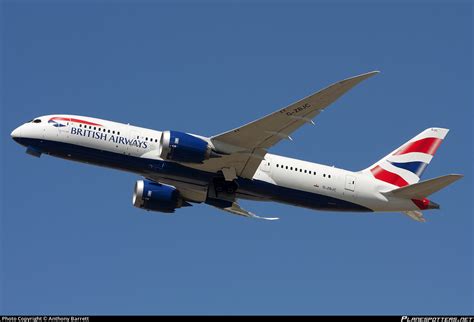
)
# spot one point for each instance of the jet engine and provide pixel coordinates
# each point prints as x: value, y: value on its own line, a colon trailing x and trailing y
x: 183, y: 147
x: 154, y: 196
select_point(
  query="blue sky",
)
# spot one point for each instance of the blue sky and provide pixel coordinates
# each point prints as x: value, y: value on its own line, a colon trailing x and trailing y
x: 73, y: 243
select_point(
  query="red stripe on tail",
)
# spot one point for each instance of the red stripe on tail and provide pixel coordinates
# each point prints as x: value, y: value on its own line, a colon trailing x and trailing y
x: 388, y: 176
x: 426, y: 145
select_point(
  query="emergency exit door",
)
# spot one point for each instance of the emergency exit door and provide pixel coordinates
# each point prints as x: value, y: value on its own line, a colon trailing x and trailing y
x: 350, y: 183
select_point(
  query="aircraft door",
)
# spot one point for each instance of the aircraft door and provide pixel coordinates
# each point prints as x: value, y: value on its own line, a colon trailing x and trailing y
x: 65, y: 130
x: 57, y: 127
x: 265, y: 165
x: 350, y: 183
x: 132, y: 146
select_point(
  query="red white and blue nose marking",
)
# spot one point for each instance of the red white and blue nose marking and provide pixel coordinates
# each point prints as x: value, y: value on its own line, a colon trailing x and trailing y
x: 58, y: 121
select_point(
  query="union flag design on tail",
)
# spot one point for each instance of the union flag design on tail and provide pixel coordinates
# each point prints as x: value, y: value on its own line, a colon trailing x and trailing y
x: 405, y: 165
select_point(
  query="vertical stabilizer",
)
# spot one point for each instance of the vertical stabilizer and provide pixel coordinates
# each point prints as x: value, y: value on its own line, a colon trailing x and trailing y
x: 406, y: 164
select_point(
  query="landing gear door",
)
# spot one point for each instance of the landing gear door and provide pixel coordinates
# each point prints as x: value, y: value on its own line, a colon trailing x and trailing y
x: 350, y: 183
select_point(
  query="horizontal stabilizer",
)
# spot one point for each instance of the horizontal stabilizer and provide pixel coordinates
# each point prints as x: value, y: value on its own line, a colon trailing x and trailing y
x: 425, y: 188
x: 415, y: 215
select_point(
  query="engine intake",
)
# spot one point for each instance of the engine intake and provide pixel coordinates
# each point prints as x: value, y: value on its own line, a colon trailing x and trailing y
x: 154, y: 196
x: 183, y: 147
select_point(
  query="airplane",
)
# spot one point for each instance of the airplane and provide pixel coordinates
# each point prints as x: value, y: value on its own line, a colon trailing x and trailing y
x: 180, y: 169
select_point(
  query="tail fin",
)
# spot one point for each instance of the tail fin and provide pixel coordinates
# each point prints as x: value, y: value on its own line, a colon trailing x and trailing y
x: 406, y: 164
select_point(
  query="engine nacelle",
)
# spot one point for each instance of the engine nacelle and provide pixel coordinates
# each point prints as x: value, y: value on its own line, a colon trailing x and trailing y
x: 183, y: 147
x: 150, y: 195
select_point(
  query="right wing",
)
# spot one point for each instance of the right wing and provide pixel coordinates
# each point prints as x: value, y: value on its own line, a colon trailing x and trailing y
x: 271, y: 129
x: 245, y: 147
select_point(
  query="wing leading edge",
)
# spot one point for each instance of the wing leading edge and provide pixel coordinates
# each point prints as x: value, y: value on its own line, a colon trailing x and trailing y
x: 248, y: 144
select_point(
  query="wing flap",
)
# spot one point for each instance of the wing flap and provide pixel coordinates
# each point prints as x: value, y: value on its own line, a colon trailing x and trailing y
x: 237, y: 210
x: 234, y: 208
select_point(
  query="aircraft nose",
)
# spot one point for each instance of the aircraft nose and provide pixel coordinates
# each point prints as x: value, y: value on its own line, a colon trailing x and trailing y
x: 16, y: 133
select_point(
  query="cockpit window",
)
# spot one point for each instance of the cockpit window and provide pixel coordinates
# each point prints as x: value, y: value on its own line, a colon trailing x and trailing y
x: 37, y: 121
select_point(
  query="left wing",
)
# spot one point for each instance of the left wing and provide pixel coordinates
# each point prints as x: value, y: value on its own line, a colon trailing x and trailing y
x: 234, y: 208
x: 197, y: 193
x: 247, y: 145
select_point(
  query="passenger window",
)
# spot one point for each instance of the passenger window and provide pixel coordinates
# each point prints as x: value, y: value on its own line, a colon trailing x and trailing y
x: 291, y: 168
x: 108, y: 131
x: 329, y: 176
x: 118, y: 133
x: 286, y: 167
x: 305, y: 171
x: 113, y: 132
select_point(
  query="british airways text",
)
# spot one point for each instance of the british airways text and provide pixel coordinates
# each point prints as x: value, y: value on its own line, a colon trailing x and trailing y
x: 105, y: 137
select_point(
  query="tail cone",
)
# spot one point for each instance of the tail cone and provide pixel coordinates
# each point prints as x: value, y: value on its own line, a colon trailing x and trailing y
x: 424, y: 204
x: 432, y: 205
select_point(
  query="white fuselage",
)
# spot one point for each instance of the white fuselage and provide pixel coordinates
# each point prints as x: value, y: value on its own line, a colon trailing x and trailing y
x: 277, y: 172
